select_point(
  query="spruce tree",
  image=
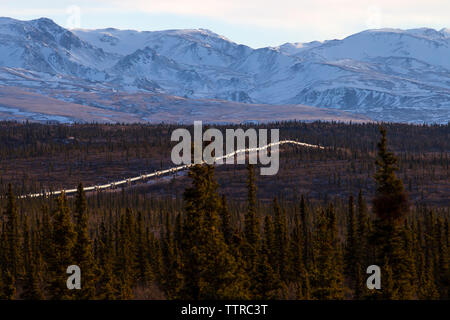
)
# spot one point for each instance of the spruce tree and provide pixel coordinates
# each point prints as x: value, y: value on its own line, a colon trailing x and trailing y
x: 364, y: 255
x: 10, y: 248
x: 144, y: 274
x: 45, y: 245
x: 170, y: 274
x: 363, y: 232
x: 209, y: 270
x: 327, y: 274
x: 391, y: 205
x: 83, y: 255
x: 106, y: 284
x: 443, y: 267
x: 269, y: 242
x: 391, y: 202
x: 306, y: 233
x: 267, y: 282
x: 31, y: 285
x: 351, y: 245
x: 13, y: 259
x: 251, y: 227
x: 407, y: 278
x: 298, y: 273
x: 281, y: 244
x: 61, y: 252
x: 251, y: 244
x: 125, y: 257
x: 225, y: 217
x: 427, y: 285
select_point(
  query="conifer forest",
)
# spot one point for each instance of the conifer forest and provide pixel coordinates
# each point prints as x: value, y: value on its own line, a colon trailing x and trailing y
x: 377, y: 194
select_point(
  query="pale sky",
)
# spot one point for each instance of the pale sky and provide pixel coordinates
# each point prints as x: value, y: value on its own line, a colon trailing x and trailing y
x: 257, y: 23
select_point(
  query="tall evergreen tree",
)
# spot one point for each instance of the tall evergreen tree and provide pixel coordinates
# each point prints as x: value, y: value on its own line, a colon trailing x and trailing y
x: 251, y: 244
x: 363, y: 232
x: 269, y: 242
x: 391, y: 202
x: 427, y: 283
x: 125, y: 257
x: 170, y: 274
x: 267, y: 282
x: 83, y: 255
x: 144, y: 274
x: 443, y: 267
x: 351, y: 244
x: 225, y: 217
x: 13, y: 258
x: 61, y: 253
x: 364, y: 251
x: 306, y: 233
x: 251, y: 231
x: 298, y: 273
x: 106, y: 284
x: 45, y: 245
x: 327, y: 274
x: 208, y: 268
x: 281, y: 244
x: 31, y: 285
x: 391, y: 205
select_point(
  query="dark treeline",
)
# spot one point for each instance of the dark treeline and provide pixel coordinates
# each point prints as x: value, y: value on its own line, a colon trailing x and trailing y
x: 35, y: 139
x: 202, y: 245
x: 36, y: 157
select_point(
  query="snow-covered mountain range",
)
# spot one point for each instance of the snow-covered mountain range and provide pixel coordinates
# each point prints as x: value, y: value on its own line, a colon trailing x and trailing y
x: 385, y: 74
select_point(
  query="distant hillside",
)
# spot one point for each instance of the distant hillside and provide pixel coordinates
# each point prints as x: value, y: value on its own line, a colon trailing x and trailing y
x: 386, y: 74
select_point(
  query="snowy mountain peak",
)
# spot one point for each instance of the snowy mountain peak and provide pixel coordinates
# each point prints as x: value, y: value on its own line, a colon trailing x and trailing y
x: 193, y: 32
x: 297, y: 47
x: 5, y: 20
x: 424, y: 33
x: 446, y: 32
x: 42, y: 24
x: 45, y: 22
x: 387, y: 74
x: 142, y: 56
x: 43, y: 46
x: 428, y: 33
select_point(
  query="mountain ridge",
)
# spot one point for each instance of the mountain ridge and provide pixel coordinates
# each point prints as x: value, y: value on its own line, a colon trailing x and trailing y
x: 386, y: 74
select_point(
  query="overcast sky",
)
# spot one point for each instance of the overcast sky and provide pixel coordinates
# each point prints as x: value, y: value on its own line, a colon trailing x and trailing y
x: 257, y: 23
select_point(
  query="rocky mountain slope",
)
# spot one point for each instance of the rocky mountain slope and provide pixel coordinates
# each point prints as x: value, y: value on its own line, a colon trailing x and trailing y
x: 386, y: 74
